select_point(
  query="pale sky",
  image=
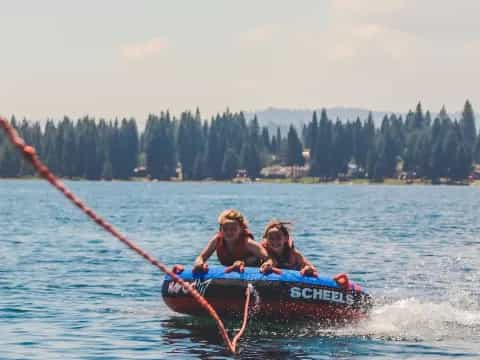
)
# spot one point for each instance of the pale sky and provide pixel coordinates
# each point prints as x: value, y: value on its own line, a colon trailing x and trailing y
x: 129, y: 58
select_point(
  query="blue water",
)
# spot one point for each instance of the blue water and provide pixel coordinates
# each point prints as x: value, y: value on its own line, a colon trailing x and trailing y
x: 68, y: 290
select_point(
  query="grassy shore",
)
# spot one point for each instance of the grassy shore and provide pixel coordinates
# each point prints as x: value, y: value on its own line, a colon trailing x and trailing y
x: 312, y: 180
x: 387, y: 181
x: 302, y: 180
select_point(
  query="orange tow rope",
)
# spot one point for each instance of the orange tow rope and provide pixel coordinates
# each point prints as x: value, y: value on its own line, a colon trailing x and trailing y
x: 30, y: 154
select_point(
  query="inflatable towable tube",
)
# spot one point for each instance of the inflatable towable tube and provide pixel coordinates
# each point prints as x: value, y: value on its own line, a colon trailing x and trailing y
x: 288, y: 296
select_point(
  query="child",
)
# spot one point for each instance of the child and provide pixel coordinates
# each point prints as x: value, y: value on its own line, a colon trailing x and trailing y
x: 233, y: 243
x: 282, y: 253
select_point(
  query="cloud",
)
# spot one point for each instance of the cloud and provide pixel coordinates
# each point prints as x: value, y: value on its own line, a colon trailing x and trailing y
x: 144, y: 49
x: 259, y: 34
x: 400, y: 50
x: 426, y: 18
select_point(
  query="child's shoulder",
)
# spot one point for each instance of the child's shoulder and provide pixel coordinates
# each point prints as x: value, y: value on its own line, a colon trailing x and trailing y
x: 251, y: 242
x: 297, y: 253
x: 216, y: 238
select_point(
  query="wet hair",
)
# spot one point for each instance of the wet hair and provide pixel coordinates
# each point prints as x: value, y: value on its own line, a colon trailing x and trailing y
x: 283, y: 226
x: 233, y: 215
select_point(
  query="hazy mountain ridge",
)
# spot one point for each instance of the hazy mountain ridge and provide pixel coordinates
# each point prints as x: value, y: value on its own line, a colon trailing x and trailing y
x: 283, y: 117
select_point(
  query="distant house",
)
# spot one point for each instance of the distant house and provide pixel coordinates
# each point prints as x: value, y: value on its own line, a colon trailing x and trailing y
x: 241, y: 177
x: 274, y: 172
x: 354, y: 171
x: 306, y: 155
x: 282, y: 172
x: 179, y: 172
x: 475, y: 175
x: 407, y: 176
x: 242, y: 173
x: 299, y: 171
x: 140, y: 171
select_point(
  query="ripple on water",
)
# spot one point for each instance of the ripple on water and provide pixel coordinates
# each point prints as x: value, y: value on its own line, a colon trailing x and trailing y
x: 68, y: 290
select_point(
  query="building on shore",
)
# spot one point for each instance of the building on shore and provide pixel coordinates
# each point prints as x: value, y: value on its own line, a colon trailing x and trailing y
x: 284, y: 172
x: 241, y: 177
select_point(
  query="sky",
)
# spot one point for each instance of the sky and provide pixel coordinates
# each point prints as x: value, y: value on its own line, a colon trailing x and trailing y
x: 116, y: 58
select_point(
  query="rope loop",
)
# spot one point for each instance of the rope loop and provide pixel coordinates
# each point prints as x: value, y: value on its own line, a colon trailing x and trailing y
x: 30, y: 155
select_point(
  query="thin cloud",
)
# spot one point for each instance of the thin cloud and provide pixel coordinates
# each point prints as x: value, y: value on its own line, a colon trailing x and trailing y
x: 144, y: 49
x: 260, y: 34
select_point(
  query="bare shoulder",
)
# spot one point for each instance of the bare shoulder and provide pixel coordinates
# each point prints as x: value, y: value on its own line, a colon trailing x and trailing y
x: 253, y: 244
x: 213, y: 240
x: 212, y: 243
x: 298, y: 255
x: 296, y: 252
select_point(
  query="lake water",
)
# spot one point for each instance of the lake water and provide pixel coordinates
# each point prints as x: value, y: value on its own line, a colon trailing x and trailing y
x: 69, y: 290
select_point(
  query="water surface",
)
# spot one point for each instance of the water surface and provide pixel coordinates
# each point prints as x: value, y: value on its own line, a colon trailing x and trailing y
x: 70, y: 290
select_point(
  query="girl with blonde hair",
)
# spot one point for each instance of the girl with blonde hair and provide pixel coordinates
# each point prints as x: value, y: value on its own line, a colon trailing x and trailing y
x: 233, y: 243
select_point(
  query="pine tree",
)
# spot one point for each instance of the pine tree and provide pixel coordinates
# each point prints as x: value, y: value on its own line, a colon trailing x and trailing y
x: 418, y: 118
x: 374, y: 162
x: 230, y: 164
x: 294, y: 148
x: 250, y: 160
x: 387, y: 156
x: 254, y: 131
x: 189, y: 142
x: 214, y: 155
x: 312, y: 134
x: 9, y: 164
x: 358, y: 143
x: 436, y: 163
x: 160, y: 148
x: 266, y: 139
x: 428, y: 119
x: 368, y: 139
x: 463, y: 163
x: 304, y: 134
x: 422, y: 156
x: 107, y: 171
x: 477, y: 150
x: 90, y: 150
x: 450, y: 147
x: 341, y: 148
x: 49, y: 149
x: 198, y: 170
x: 321, y: 162
x: 273, y: 145
x: 468, y: 128
x: 68, y: 149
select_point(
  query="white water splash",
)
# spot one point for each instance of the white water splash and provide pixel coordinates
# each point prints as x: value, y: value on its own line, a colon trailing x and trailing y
x: 414, y: 319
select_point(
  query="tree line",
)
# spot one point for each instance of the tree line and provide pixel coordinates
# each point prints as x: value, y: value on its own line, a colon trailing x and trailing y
x: 427, y: 148
x: 85, y: 148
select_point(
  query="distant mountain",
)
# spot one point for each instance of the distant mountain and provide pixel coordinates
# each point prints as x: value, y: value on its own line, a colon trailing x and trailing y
x: 280, y: 117
x: 277, y: 117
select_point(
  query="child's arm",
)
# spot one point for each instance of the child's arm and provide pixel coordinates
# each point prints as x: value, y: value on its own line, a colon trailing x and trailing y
x: 258, y: 253
x: 306, y: 267
x: 199, y: 265
x: 267, y: 264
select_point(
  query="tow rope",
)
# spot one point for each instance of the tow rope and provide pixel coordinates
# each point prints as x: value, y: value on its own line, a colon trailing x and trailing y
x: 30, y: 154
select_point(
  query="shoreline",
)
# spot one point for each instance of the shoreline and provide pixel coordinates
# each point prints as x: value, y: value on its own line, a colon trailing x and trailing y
x: 301, y: 181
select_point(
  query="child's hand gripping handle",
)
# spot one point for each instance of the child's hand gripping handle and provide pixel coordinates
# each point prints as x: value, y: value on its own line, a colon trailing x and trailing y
x: 238, y: 265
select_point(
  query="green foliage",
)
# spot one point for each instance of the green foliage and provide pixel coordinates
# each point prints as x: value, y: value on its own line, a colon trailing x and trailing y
x: 477, y: 151
x: 230, y: 164
x: 95, y: 149
x: 250, y: 159
x: 160, y: 147
x: 468, y: 128
x: 294, y: 148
